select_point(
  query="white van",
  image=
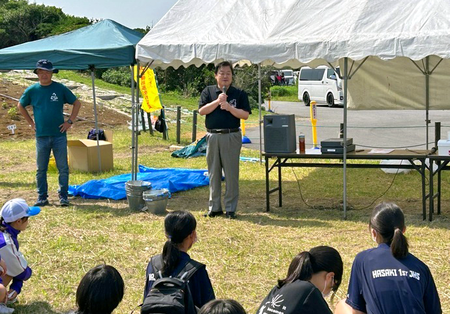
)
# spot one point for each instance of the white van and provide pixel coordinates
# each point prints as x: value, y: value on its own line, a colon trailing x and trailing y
x: 321, y: 84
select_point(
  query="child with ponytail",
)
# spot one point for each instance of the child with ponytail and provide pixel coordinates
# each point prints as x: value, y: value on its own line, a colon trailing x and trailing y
x: 312, y: 275
x: 389, y: 279
x: 180, y: 229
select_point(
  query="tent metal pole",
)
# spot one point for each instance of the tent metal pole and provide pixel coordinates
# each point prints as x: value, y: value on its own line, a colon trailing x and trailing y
x: 259, y: 110
x: 95, y: 116
x: 132, y: 122
x: 136, y: 120
x: 345, y: 137
x: 427, y: 97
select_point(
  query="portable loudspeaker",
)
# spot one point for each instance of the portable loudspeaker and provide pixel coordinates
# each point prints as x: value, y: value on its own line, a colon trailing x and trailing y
x: 279, y: 134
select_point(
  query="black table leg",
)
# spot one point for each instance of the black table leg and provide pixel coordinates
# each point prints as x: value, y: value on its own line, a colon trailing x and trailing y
x: 280, y: 194
x: 267, y: 184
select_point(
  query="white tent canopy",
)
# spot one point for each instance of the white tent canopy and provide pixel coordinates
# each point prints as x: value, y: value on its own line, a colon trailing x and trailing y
x: 398, y: 43
x: 297, y: 32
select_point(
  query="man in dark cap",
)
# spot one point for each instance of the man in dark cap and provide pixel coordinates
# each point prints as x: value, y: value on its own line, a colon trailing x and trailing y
x: 47, y: 99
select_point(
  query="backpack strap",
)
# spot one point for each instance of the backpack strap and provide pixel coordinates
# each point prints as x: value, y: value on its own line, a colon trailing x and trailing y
x: 157, y: 264
x: 185, y: 273
x: 189, y: 269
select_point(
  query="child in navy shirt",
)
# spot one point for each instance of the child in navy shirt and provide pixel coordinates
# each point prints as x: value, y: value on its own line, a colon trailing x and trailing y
x: 389, y: 279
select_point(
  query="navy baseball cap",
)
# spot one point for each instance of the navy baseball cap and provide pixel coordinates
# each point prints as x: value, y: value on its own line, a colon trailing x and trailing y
x: 46, y: 65
x: 17, y: 208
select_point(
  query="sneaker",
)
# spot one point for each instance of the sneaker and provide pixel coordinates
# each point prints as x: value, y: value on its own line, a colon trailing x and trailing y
x: 230, y: 215
x: 41, y: 202
x: 213, y: 214
x: 5, y: 309
x: 12, y: 301
x: 64, y: 201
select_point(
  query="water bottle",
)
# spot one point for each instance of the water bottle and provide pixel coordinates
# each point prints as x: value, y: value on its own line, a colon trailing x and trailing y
x: 301, y: 143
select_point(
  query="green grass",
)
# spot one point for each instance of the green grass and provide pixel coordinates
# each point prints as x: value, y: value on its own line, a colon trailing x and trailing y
x: 244, y: 257
x: 86, y: 79
x: 284, y: 93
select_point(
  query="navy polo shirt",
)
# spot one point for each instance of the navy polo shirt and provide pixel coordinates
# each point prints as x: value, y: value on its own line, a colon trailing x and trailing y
x: 222, y: 119
x: 201, y: 289
x: 380, y: 283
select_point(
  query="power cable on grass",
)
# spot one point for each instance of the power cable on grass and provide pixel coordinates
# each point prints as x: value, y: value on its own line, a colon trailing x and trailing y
x: 323, y: 207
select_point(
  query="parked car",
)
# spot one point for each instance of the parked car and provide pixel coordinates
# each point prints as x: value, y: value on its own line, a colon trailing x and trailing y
x: 282, y: 77
x: 322, y: 84
x: 288, y: 77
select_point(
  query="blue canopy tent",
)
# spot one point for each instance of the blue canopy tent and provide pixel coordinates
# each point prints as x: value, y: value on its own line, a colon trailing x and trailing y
x: 102, y: 45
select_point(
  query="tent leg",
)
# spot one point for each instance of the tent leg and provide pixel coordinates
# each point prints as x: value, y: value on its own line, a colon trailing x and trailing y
x: 133, y: 175
x: 259, y: 110
x: 345, y: 137
x: 427, y: 97
x: 136, y: 120
x: 96, y: 120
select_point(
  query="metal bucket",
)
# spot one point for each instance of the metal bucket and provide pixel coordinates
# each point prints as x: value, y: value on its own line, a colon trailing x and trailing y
x: 134, y: 189
x: 156, y: 201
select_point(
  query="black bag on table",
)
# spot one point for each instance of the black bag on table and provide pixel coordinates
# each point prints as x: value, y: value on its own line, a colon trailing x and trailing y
x: 170, y: 294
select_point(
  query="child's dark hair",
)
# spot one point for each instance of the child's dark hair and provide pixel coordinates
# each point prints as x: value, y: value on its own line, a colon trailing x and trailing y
x: 222, y: 306
x: 307, y: 263
x: 389, y: 222
x: 178, y: 225
x: 3, y: 223
x: 100, y: 291
x: 223, y: 64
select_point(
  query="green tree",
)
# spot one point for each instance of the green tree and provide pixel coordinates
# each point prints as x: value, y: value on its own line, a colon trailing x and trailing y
x: 21, y: 22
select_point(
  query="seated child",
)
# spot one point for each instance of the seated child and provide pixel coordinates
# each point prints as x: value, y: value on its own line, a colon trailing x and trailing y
x: 100, y: 291
x: 222, y: 306
x: 14, y: 219
x: 3, y: 294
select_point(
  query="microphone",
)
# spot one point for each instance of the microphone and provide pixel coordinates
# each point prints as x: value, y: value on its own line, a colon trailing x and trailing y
x: 224, y: 89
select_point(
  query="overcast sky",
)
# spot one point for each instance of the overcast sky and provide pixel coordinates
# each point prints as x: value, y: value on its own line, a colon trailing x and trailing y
x: 130, y: 13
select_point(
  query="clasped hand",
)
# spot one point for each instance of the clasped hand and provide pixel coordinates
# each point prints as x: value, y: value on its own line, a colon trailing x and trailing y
x: 224, y: 105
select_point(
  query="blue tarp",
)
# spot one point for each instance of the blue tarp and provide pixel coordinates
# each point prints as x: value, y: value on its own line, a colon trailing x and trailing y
x: 103, y: 45
x: 173, y: 179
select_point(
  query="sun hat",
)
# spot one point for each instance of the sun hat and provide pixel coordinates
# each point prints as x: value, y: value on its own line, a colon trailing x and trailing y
x: 46, y: 65
x: 18, y: 208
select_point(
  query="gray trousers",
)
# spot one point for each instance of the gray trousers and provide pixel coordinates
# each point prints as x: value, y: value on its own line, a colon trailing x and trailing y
x: 223, y: 153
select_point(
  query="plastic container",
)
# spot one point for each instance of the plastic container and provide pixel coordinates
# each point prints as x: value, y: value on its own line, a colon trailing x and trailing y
x: 156, y: 201
x: 301, y: 143
x: 134, y: 189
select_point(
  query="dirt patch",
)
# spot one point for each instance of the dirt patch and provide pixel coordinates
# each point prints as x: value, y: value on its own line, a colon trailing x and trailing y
x: 10, y: 92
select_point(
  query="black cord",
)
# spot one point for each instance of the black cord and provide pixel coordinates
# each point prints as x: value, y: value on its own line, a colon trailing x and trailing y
x: 389, y: 187
x: 322, y: 207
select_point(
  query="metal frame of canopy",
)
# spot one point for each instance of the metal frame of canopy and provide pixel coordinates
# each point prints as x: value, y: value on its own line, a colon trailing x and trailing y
x: 370, y: 31
x: 135, y: 109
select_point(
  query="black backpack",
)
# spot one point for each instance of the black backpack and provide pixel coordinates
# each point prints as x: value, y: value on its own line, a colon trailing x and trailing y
x: 160, y: 124
x: 92, y: 135
x: 171, y: 294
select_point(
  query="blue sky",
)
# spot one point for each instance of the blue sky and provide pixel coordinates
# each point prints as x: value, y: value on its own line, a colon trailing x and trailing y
x: 131, y: 13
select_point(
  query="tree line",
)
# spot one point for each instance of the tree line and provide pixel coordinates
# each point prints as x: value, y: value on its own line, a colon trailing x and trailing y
x: 21, y: 21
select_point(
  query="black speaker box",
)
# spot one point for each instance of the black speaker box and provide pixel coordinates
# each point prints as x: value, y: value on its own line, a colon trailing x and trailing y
x: 279, y: 134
